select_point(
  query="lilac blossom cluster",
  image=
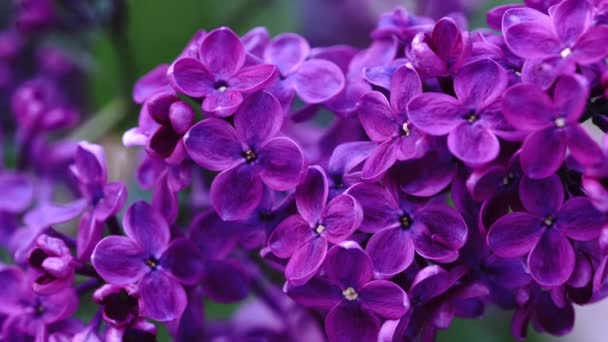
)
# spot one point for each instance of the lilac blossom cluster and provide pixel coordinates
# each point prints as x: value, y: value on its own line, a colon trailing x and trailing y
x: 458, y: 171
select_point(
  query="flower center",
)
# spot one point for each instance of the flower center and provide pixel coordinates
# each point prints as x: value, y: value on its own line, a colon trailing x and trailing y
x: 221, y: 86
x: 560, y: 122
x: 152, y: 262
x: 508, y: 179
x: 405, y: 220
x: 350, y: 294
x: 39, y: 310
x: 320, y: 228
x: 250, y: 156
x: 549, y: 221
x: 471, y: 117
x: 406, y: 129
x: 565, y: 52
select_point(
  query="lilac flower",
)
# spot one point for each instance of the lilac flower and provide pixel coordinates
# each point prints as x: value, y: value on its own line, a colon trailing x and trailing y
x: 304, y: 237
x: 402, y: 24
x: 218, y: 75
x: 140, y: 330
x: 546, y: 229
x: 52, y: 264
x: 314, y: 80
x: 388, y: 124
x: 554, y: 43
x: 104, y: 199
x: 355, y: 300
x: 120, y: 304
x: 473, y: 120
x: 552, y: 123
x: 249, y: 154
x: 403, y: 226
x: 148, y: 257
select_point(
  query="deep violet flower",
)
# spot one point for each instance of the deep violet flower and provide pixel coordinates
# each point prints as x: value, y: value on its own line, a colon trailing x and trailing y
x: 219, y: 74
x: 556, y: 43
x: 388, y: 124
x: 52, y: 265
x: 473, y: 119
x: 304, y: 237
x: 546, y: 230
x: 355, y: 300
x: 404, y: 226
x: 147, y: 257
x: 552, y: 123
x: 249, y: 154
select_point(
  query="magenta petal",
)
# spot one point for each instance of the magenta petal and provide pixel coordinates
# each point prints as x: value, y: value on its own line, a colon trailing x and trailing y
x: 582, y: 147
x: 287, y: 51
x: 90, y: 232
x: 17, y: 192
x: 222, y: 52
x: 258, y: 119
x: 480, y: 82
x: 341, y: 217
x: 222, y: 104
x: 553, y: 319
x: 350, y: 322
x: 543, y: 152
x: 380, y: 209
x: 380, y: 160
x: 147, y: 227
x: 311, y: 194
x: 541, y: 197
x: 590, y: 48
x: 289, y: 235
x: 183, y: 260
x: 527, y: 107
x: 236, y: 192
x: 161, y: 298
x: 514, y: 234
x: 189, y: 76
x: 347, y: 265
x: 405, y: 84
x: 376, y: 116
x: 529, y: 33
x: 306, y: 261
x: 281, y: 164
x: 391, y: 251
x: 119, y: 260
x: 435, y: 113
x: 384, y: 298
x: 552, y: 260
x: 253, y: 78
x: 569, y: 95
x: 318, y: 80
x: 318, y: 293
x: 571, y: 18
x: 154, y: 81
x: 213, y: 144
x: 580, y: 220
x: 439, y: 232
x: 90, y: 163
x: 473, y: 144
x: 114, y: 197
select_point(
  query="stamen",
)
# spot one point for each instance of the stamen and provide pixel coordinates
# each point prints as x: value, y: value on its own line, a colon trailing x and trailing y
x: 320, y: 229
x: 152, y: 262
x: 565, y: 52
x: 350, y: 294
x: 221, y: 86
x: 560, y: 122
x: 549, y: 221
x: 250, y: 156
x: 508, y: 179
x: 472, y: 117
x: 406, y: 129
x: 405, y: 220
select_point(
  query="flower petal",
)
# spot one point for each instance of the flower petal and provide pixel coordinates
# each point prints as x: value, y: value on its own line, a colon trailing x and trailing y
x: 161, y: 298
x: 555, y: 320
x: 281, y: 164
x: 439, y: 232
x: 541, y: 197
x: 571, y: 18
x: 222, y: 52
x: 380, y: 160
x: 306, y: 261
x: 380, y: 209
x: 527, y: 107
x: 289, y: 235
x: 376, y: 116
x: 147, y: 227
x: 543, y: 152
x: 183, y: 261
x: 17, y: 192
x: 154, y: 81
x: 222, y: 104
x: 405, y: 84
x: 213, y: 144
x: 89, y: 233
x: 590, y: 48
x: 311, y: 194
x: 350, y: 322
x: 514, y: 234
x: 582, y: 147
x: 552, y: 260
x: 473, y: 144
x: 480, y: 82
x: 287, y: 51
x: 391, y: 251
x: 580, y: 220
x: 570, y: 95
x: 529, y: 33
x: 435, y: 113
x: 347, y: 265
x: 341, y: 217
x: 318, y: 293
x: 318, y: 80
x: 258, y: 119
x: 384, y: 298
x: 119, y: 260
x: 236, y: 192
x: 189, y: 76
x: 90, y: 163
x: 253, y: 78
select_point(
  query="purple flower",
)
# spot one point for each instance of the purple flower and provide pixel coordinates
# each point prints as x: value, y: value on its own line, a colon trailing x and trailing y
x: 473, y: 119
x: 147, y: 257
x: 552, y: 123
x: 104, y: 199
x: 249, y: 154
x: 304, y: 237
x: 554, y: 43
x: 120, y: 304
x: 355, y: 300
x: 403, y: 226
x: 342, y: 165
x: 52, y: 264
x: 546, y: 229
x: 314, y: 80
x: 153, y: 82
x: 219, y: 75
x: 140, y: 330
x: 17, y: 192
x: 538, y: 305
x: 388, y: 124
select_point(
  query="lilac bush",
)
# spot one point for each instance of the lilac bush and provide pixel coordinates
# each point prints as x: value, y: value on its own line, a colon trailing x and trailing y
x: 460, y: 169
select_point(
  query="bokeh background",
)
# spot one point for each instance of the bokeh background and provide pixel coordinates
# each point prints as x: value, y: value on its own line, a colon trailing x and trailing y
x: 157, y: 30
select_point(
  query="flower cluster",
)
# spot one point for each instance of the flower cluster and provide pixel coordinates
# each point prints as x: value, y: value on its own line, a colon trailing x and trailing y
x: 388, y: 189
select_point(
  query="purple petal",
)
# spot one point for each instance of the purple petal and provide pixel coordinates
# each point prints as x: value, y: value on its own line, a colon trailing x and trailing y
x: 439, y: 233
x: 480, y: 82
x: 590, y: 48
x: 436, y: 114
x: 553, y: 319
x: 527, y: 107
x: 580, y: 220
x: 318, y: 293
x: 582, y: 147
x: 213, y: 144
x: 318, y: 80
x: 287, y: 51
x: 380, y: 160
x: 541, y: 197
x: 12, y: 280
x: 569, y: 94
x: 225, y: 281
x: 543, y: 152
x: 222, y: 52
x: 341, y: 217
x: 236, y: 192
x: 473, y: 144
x: 349, y: 322
x: 183, y: 261
x: 48, y: 214
x: 281, y: 164
x: 376, y: 116
x: 347, y: 265
x: 552, y: 260
x: 347, y: 156
x: 405, y: 85
x: 384, y: 298
x: 147, y: 227
x: 161, y: 298
x: 289, y: 235
x: 154, y: 81
x: 114, y: 197
x: 119, y: 260
x: 89, y: 233
x: 391, y: 251
x: 222, y: 103
x: 514, y: 234
x: 426, y: 176
x: 189, y: 76
x: 311, y: 194
x: 571, y: 18
x: 17, y: 192
x: 306, y: 261
x: 529, y: 33
x: 253, y: 78
x: 258, y: 119
x: 90, y: 163
x: 381, y: 210
x: 256, y: 40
